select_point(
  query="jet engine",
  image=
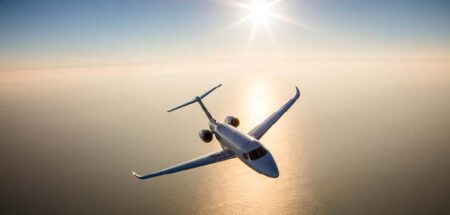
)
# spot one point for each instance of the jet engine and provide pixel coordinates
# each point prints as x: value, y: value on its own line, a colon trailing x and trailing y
x: 233, y: 121
x: 206, y: 135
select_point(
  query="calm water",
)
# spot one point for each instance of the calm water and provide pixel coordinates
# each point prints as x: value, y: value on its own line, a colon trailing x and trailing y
x: 358, y: 141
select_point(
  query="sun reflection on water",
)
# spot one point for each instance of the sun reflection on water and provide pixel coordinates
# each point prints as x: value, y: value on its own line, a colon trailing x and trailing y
x: 257, y: 102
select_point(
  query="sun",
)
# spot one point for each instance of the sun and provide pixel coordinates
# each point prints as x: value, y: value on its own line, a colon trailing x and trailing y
x: 262, y: 15
x: 259, y: 12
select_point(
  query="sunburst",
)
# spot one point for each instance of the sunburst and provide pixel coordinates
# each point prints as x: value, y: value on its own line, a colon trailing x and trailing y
x: 260, y: 12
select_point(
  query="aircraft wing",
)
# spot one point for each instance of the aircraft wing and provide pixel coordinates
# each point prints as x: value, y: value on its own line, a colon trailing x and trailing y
x: 194, y: 163
x: 262, y: 128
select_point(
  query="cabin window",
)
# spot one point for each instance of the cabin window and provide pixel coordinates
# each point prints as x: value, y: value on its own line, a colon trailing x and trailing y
x: 246, y: 156
x: 255, y: 154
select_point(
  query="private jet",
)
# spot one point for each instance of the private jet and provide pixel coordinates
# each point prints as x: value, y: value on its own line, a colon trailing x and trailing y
x: 234, y: 143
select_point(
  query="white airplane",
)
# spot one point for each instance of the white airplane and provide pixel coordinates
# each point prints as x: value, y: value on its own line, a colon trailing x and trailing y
x: 246, y: 147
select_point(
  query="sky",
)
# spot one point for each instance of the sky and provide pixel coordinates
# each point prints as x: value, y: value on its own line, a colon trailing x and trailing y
x: 40, y: 34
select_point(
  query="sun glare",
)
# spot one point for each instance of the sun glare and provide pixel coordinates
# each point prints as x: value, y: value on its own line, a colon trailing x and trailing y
x: 259, y: 12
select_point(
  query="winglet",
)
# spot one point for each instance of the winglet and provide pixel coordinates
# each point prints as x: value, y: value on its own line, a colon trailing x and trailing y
x: 137, y: 175
x: 297, y: 93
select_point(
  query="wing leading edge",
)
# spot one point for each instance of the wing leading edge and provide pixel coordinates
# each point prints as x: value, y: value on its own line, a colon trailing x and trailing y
x: 194, y: 163
x: 262, y: 128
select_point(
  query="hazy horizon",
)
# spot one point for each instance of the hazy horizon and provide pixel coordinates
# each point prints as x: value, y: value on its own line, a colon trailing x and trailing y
x: 48, y: 34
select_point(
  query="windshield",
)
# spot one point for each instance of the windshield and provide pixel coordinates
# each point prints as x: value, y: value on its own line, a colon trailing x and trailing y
x: 255, y: 154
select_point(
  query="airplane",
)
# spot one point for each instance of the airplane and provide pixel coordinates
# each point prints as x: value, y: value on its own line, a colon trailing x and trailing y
x: 234, y: 143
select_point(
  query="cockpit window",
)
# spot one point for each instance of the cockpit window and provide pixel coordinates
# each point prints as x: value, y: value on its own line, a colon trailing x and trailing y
x: 255, y: 154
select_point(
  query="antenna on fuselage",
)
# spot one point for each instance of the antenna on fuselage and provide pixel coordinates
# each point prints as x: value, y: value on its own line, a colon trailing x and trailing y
x: 199, y: 100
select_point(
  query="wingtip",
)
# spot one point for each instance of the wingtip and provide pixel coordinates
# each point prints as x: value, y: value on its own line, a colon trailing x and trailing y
x: 297, y: 92
x: 136, y: 175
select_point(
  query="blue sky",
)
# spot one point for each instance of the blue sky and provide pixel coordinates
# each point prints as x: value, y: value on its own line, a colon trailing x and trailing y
x: 49, y: 33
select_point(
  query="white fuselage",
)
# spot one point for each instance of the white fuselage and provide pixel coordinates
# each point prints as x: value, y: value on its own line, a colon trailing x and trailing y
x: 248, y: 149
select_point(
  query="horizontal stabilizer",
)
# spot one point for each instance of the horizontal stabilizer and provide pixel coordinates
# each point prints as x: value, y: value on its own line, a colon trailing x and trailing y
x: 185, y: 104
x: 205, y: 94
x: 196, y: 99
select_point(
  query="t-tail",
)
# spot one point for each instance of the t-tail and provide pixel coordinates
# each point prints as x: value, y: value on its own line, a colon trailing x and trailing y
x: 199, y: 100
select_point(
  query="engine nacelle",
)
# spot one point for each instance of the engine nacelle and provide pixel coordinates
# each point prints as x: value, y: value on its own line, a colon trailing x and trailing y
x: 231, y: 120
x: 206, y: 135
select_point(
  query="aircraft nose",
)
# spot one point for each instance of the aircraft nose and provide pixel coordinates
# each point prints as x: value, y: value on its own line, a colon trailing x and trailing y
x: 272, y: 170
x: 267, y: 166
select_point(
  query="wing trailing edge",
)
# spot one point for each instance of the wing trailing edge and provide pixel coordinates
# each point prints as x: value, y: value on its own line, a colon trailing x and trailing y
x: 194, y: 163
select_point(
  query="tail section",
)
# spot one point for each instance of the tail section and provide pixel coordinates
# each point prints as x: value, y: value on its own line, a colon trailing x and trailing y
x: 199, y: 100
